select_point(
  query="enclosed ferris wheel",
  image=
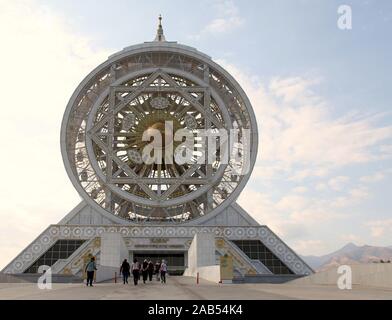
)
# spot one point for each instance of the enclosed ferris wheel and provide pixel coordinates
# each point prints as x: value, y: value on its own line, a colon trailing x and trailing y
x: 144, y: 88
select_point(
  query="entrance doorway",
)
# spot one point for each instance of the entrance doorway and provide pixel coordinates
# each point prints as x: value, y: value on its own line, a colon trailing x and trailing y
x: 175, y: 260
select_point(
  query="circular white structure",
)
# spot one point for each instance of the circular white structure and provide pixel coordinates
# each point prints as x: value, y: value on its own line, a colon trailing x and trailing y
x: 139, y: 91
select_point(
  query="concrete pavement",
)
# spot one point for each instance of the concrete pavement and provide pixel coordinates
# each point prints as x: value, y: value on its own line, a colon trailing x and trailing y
x: 185, y: 288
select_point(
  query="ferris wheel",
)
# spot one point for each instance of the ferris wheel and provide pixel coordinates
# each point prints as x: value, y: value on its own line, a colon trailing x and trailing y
x: 159, y: 87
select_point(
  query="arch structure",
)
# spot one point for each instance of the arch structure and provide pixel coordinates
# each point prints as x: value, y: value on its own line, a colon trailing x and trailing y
x: 159, y: 141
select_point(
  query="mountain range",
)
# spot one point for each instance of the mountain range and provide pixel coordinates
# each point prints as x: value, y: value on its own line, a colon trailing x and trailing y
x: 350, y: 254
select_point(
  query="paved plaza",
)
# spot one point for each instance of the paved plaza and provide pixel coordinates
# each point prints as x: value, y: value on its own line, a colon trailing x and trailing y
x: 184, y: 288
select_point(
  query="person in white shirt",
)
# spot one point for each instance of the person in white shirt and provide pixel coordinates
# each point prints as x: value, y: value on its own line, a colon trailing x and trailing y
x: 163, y: 270
x: 135, y: 271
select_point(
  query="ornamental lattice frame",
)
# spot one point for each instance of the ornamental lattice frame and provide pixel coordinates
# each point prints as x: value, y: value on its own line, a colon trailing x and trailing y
x: 139, y: 88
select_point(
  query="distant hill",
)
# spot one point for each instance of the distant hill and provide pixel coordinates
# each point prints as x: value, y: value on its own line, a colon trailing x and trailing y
x: 349, y: 254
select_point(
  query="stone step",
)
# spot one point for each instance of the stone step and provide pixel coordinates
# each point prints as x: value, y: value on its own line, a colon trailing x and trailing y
x: 33, y: 278
x: 269, y: 278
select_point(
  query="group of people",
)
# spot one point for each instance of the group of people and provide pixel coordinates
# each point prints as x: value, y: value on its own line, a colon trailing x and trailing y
x: 146, y: 270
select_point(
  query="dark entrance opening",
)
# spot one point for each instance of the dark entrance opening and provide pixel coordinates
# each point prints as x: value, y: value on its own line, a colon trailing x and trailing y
x: 175, y: 261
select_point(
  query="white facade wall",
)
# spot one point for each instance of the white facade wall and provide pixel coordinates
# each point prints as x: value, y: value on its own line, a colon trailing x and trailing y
x: 201, y: 257
x: 369, y: 275
x: 107, y: 273
x: 113, y: 249
x: 211, y: 273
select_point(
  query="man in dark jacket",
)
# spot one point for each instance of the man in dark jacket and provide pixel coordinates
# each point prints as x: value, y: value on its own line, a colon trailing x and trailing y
x: 150, y: 269
x: 145, y: 270
x: 125, y: 270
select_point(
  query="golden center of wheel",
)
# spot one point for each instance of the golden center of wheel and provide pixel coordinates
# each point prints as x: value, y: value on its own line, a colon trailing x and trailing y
x: 160, y: 122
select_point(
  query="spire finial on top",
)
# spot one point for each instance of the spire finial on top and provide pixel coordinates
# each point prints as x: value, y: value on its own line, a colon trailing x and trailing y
x: 160, y: 36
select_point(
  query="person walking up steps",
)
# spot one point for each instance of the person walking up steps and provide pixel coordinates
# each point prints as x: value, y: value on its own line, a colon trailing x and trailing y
x: 150, y: 269
x: 90, y: 269
x: 163, y: 271
x: 145, y: 270
x: 135, y: 271
x: 125, y: 270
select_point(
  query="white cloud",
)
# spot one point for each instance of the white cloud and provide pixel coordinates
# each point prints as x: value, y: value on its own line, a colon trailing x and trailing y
x: 300, y: 189
x: 354, y: 197
x: 376, y: 177
x: 228, y: 18
x: 337, y: 183
x: 262, y: 207
x: 221, y: 25
x: 309, y: 247
x: 379, y: 228
x: 321, y: 187
x: 292, y: 215
x: 300, y: 136
x: 294, y: 90
x: 301, y: 140
x: 352, y: 238
x: 42, y: 61
x: 293, y: 202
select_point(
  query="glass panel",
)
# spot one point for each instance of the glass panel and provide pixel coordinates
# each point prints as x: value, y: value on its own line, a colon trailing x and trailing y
x: 62, y: 249
x: 255, y: 249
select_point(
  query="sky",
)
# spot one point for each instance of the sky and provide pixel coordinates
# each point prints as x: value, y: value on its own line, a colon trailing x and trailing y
x: 322, y: 97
